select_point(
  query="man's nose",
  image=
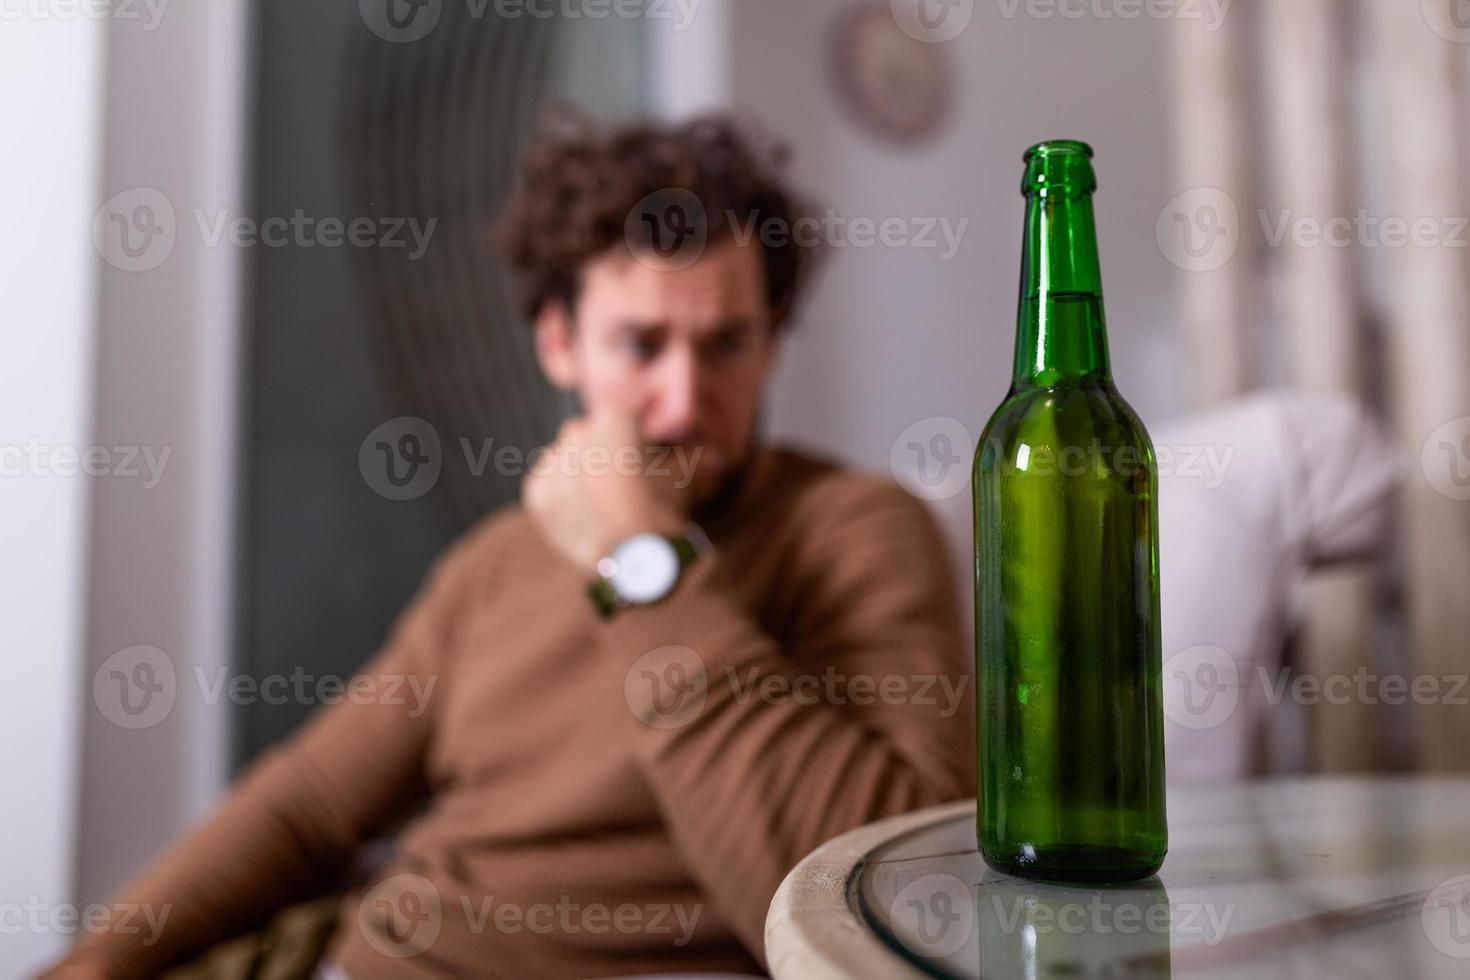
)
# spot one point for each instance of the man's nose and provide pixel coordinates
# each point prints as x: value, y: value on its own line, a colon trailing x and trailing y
x: 675, y: 414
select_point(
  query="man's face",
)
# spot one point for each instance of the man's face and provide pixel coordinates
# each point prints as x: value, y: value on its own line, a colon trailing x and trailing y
x: 686, y: 352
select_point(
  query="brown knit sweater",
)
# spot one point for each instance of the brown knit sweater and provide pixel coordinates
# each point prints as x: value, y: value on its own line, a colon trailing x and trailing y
x: 603, y: 797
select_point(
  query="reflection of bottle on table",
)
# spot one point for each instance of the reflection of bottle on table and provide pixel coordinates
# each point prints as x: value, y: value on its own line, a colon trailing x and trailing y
x: 1033, y: 930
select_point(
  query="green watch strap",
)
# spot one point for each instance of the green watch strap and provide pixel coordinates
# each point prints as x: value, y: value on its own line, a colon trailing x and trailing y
x: 604, y: 597
x: 687, y: 547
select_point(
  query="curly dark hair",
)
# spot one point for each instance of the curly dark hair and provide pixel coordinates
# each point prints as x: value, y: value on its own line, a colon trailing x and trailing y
x: 582, y: 188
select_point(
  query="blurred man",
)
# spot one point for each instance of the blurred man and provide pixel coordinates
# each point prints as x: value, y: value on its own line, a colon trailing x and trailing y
x: 683, y: 662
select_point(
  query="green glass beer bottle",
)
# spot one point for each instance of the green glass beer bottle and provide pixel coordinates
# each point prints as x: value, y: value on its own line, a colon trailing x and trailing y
x: 1071, y: 736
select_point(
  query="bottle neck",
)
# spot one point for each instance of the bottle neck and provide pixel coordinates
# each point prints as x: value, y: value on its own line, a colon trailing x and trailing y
x: 1061, y: 333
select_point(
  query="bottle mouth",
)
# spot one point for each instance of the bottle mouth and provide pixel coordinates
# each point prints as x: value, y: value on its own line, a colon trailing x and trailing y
x: 1048, y: 148
x: 1059, y: 166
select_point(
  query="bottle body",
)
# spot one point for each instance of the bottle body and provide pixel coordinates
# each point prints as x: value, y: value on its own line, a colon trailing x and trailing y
x: 1068, y: 645
x: 1067, y: 625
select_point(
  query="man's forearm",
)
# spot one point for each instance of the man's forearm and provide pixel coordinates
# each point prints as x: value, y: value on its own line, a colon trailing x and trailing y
x: 755, y: 758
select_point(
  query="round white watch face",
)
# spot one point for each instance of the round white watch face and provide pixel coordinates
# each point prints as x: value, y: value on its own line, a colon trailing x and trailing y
x: 647, y: 568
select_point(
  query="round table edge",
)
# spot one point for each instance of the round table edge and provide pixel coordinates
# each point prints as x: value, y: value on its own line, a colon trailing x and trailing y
x: 812, y: 929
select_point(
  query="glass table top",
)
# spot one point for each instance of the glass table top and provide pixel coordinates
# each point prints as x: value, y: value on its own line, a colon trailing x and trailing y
x: 1309, y: 878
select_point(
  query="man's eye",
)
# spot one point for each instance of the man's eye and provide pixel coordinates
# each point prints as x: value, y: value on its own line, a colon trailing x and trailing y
x: 643, y: 350
x: 727, y: 345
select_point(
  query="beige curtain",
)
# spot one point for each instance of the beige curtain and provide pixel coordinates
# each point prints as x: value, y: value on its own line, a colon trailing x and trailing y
x: 1208, y: 85
x: 1317, y: 309
x: 1417, y: 53
x: 1283, y: 310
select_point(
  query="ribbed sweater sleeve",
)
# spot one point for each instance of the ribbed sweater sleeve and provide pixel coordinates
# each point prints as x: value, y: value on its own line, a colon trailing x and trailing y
x: 773, y: 750
x: 288, y: 828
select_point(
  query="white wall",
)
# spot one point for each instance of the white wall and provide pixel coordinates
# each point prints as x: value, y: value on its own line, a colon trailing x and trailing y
x: 896, y: 336
x: 168, y: 369
x: 50, y: 104
x: 690, y: 61
x: 99, y: 358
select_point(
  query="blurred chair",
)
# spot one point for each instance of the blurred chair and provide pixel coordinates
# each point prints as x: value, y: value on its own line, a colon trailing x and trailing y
x: 1253, y: 497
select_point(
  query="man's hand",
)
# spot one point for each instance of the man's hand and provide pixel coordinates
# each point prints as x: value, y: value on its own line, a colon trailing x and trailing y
x: 593, y: 489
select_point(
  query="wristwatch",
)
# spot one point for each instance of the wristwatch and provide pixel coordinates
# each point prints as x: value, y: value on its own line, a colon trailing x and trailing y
x: 644, y: 569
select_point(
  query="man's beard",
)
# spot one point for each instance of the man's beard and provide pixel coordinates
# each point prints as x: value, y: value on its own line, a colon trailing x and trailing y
x: 712, y: 496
